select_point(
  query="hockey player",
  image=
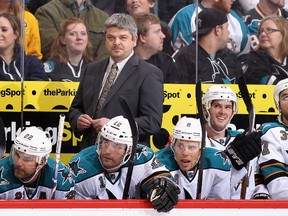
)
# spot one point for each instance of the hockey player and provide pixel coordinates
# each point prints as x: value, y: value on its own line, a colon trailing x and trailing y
x: 273, y: 160
x: 100, y: 171
x: 220, y: 105
x: 28, y: 171
x: 182, y: 157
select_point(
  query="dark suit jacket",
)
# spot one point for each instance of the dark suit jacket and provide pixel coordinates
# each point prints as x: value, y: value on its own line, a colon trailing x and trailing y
x: 140, y: 83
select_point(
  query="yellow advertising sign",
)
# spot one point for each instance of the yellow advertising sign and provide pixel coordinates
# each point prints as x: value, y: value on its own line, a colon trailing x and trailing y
x: 56, y: 97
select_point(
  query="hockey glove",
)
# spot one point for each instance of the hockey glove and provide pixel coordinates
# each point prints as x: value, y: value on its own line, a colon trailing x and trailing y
x: 244, y: 148
x: 261, y: 196
x: 163, y: 194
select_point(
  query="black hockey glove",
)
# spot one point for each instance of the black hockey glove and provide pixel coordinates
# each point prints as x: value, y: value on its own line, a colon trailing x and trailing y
x: 163, y: 194
x: 244, y: 148
x: 261, y: 196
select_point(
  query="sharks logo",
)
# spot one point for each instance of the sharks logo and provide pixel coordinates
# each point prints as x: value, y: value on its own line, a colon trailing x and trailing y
x: 3, y: 181
x: 141, y: 151
x: 75, y: 169
x: 66, y: 175
x: 220, y: 70
x: 279, y: 70
x: 223, y: 156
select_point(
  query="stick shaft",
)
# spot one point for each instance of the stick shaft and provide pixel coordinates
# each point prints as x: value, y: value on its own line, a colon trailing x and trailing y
x: 58, y: 154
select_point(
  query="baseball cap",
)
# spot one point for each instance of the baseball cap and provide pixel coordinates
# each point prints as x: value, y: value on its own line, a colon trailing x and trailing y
x: 209, y: 18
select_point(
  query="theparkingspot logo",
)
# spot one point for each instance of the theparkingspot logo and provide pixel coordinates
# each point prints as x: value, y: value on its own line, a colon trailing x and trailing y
x: 8, y: 92
x: 59, y: 92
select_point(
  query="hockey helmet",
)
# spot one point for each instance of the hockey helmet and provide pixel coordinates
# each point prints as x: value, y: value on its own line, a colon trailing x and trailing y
x: 220, y: 92
x: 188, y: 129
x: 116, y: 130
x: 281, y: 86
x: 33, y: 141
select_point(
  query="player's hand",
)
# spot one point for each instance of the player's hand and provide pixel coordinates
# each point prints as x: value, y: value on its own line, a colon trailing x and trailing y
x: 163, y: 194
x: 244, y: 148
x: 261, y: 196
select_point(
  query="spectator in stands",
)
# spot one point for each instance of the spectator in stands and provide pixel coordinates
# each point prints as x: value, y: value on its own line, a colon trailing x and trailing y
x: 70, y: 52
x: 183, y: 25
x: 268, y: 64
x: 32, y: 37
x: 110, y: 6
x: 10, y: 55
x: 168, y: 8
x: 216, y: 63
x: 150, y: 45
x: 52, y: 14
x: 135, y: 7
x: 33, y: 5
x: 263, y: 9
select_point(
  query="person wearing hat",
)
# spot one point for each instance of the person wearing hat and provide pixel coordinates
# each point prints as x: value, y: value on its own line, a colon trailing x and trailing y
x: 182, y: 25
x: 216, y: 63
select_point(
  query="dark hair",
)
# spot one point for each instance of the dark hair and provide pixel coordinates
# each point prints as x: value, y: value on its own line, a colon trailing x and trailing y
x: 15, y: 23
x: 59, y: 49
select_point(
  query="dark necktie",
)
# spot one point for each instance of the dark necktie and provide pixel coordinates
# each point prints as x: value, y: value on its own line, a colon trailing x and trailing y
x: 106, y: 88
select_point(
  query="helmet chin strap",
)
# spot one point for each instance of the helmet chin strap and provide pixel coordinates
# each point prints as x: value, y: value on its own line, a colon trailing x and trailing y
x: 211, y: 127
x: 39, y: 167
x: 280, y: 119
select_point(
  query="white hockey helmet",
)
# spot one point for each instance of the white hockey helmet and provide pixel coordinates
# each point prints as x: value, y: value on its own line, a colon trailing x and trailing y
x: 34, y: 141
x: 220, y: 92
x: 187, y: 128
x: 116, y: 130
x: 281, y: 86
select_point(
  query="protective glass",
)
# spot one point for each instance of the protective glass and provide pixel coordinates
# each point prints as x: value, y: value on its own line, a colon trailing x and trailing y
x: 178, y: 146
x: 17, y: 155
x: 105, y: 143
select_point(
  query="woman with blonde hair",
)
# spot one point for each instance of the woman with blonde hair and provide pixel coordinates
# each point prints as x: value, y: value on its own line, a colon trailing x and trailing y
x: 32, y: 43
x: 268, y: 63
x: 70, y: 52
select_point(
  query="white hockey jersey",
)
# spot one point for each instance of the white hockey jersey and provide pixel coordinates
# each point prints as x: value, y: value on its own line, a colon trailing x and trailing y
x: 236, y: 175
x: 12, y: 188
x: 216, y: 175
x: 92, y: 182
x: 273, y: 160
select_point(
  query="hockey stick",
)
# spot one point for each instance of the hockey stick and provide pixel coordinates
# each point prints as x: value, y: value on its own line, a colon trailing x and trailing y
x: 251, y: 113
x: 134, y: 131
x: 57, y: 155
x: 2, y: 139
x: 203, y: 141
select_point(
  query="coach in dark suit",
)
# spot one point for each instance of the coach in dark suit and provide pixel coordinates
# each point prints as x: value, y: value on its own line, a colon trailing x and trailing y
x: 140, y: 83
